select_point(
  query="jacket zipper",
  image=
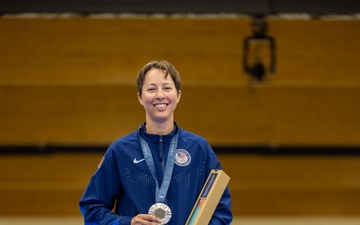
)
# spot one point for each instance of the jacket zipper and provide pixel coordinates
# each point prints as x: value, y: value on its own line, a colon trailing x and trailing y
x: 161, y: 155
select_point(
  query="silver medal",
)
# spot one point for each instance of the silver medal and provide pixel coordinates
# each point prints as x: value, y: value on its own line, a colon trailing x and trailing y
x: 161, y: 211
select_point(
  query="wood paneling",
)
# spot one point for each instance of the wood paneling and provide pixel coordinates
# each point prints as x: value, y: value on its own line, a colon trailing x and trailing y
x: 44, y: 184
x: 260, y: 185
x: 72, y: 81
x: 293, y: 185
x: 86, y: 115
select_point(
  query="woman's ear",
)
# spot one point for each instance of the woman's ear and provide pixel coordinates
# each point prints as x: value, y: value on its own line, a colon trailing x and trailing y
x: 139, y: 98
x: 179, y: 96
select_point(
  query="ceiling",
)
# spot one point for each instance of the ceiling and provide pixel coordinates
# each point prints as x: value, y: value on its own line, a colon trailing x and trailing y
x: 183, y: 6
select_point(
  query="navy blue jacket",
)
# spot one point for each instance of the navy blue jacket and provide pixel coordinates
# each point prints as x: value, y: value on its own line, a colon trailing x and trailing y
x: 124, y: 181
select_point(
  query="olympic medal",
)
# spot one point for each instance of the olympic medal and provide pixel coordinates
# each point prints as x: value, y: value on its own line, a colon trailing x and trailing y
x: 161, y: 211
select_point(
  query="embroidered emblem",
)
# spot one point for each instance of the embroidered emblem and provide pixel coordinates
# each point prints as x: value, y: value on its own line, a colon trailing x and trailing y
x: 182, y: 157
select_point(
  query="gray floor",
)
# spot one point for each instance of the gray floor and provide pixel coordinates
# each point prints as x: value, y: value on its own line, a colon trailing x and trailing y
x: 237, y: 220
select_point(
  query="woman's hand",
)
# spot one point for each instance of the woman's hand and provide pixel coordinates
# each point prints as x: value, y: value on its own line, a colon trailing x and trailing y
x: 145, y: 219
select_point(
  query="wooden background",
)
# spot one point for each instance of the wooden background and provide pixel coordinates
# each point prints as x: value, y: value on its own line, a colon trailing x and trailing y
x: 71, y: 82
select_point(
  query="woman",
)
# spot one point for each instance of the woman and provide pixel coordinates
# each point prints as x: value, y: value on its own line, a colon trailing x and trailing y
x: 154, y: 174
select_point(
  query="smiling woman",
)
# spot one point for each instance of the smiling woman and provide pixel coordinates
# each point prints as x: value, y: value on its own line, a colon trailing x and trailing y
x: 159, y: 95
x: 142, y: 189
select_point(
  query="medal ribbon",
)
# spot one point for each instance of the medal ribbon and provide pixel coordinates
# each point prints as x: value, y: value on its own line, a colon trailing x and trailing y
x: 160, y: 191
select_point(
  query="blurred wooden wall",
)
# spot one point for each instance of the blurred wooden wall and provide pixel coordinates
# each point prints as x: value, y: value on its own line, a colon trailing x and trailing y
x: 52, y: 184
x: 72, y: 82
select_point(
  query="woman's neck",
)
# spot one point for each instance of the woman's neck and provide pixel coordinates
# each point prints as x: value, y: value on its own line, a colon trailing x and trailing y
x: 159, y: 128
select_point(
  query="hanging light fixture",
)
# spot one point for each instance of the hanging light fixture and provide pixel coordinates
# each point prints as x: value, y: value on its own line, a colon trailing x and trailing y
x: 259, y: 50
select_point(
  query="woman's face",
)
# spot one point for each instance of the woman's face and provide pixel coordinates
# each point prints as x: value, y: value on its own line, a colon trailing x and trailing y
x: 159, y: 97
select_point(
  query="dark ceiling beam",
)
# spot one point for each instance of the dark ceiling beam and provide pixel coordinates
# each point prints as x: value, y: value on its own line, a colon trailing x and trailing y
x: 183, y: 6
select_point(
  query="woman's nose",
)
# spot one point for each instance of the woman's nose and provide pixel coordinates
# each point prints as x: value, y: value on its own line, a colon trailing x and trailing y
x: 160, y: 94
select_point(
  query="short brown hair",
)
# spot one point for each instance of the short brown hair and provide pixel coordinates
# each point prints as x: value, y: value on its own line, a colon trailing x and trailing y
x: 163, y: 65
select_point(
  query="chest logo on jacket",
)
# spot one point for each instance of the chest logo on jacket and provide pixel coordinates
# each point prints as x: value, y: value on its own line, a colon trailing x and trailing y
x: 182, y: 157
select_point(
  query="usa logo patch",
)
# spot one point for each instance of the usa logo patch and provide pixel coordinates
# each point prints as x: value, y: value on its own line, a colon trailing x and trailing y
x: 182, y: 157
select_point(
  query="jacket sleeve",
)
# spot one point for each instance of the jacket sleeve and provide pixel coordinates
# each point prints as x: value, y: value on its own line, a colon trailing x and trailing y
x: 99, y: 197
x: 223, y: 214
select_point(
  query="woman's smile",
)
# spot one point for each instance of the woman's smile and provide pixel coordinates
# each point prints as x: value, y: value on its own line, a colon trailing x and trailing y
x: 161, y: 106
